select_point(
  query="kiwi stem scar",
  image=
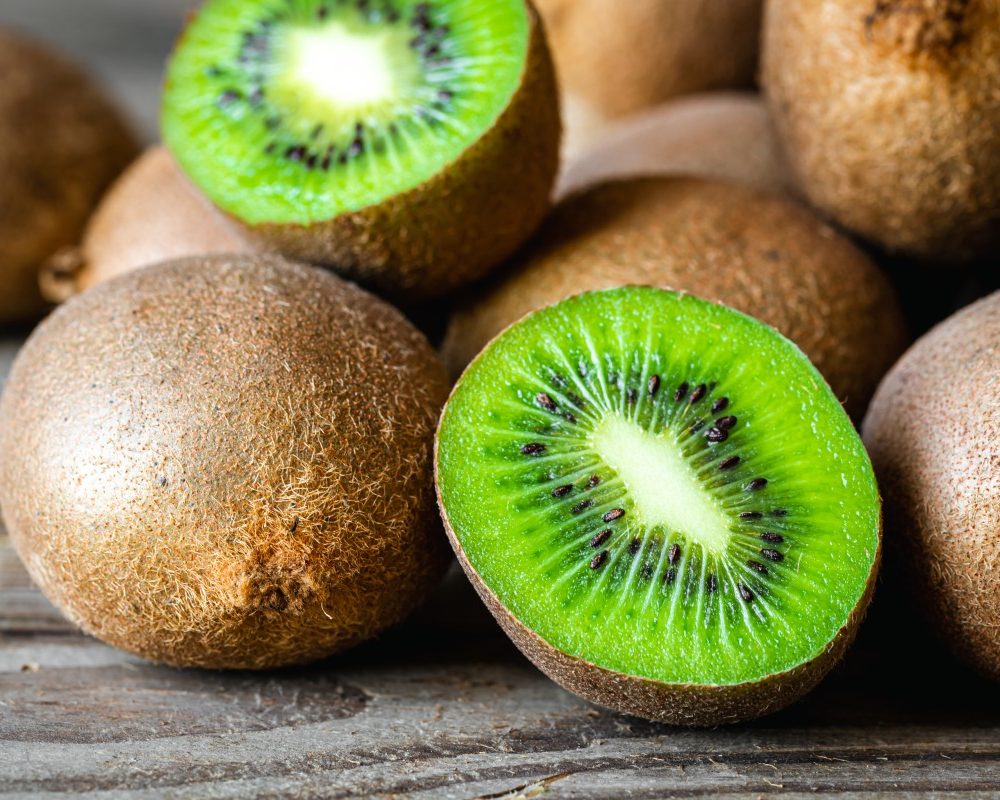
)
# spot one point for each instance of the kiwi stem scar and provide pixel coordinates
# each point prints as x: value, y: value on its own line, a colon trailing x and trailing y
x: 664, y: 488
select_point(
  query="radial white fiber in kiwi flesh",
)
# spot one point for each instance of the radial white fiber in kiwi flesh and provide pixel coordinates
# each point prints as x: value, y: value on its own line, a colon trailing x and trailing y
x: 657, y: 493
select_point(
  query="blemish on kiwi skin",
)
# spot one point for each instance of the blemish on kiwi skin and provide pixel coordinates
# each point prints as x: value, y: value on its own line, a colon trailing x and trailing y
x: 729, y: 463
x: 613, y: 514
x: 720, y: 405
x: 751, y: 515
x: 774, y: 538
x: 698, y: 393
x: 757, y: 566
x: 598, y: 561
x: 653, y: 386
x: 675, y: 553
x: 533, y: 449
x: 756, y: 485
x: 601, y: 538
x: 745, y: 594
x: 582, y: 506
x: 562, y: 491
x: 711, y: 584
x: 772, y: 555
x: 682, y: 390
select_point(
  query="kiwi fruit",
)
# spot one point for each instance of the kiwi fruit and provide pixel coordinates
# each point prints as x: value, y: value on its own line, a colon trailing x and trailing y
x: 62, y: 142
x: 760, y: 254
x: 615, y: 58
x: 225, y: 462
x: 724, y: 135
x: 890, y: 115
x: 152, y: 213
x: 933, y: 432
x: 411, y: 145
x: 662, y: 503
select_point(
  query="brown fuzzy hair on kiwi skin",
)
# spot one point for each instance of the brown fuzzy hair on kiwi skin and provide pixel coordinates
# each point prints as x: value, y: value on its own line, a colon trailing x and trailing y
x: 933, y: 432
x: 152, y: 213
x: 615, y: 58
x: 890, y: 115
x: 675, y: 704
x: 757, y: 253
x: 61, y: 143
x: 225, y: 462
x: 723, y: 135
x: 457, y: 226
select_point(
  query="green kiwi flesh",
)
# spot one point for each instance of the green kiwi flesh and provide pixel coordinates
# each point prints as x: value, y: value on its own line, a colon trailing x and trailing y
x: 652, y: 490
x: 292, y: 114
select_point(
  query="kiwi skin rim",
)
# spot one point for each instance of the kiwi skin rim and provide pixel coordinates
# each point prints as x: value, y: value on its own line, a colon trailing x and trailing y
x: 685, y: 704
x: 459, y: 224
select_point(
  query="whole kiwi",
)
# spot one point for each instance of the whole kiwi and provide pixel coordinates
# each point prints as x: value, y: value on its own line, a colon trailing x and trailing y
x: 755, y: 252
x: 225, y: 462
x: 890, y: 115
x: 61, y: 143
x: 726, y: 135
x: 933, y: 432
x: 615, y: 58
x: 152, y: 213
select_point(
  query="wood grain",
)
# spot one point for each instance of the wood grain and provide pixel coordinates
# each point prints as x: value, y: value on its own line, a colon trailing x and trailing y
x: 442, y: 707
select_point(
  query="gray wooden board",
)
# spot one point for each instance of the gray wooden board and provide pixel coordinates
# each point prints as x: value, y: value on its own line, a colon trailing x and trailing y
x: 443, y: 707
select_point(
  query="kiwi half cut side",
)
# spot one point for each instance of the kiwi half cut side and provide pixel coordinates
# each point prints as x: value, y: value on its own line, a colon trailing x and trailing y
x: 663, y: 504
x: 410, y: 145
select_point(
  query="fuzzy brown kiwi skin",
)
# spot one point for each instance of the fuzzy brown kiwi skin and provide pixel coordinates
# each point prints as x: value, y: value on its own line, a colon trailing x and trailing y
x: 152, y: 213
x: 890, y: 115
x: 620, y: 57
x: 61, y: 143
x: 757, y: 253
x: 721, y: 135
x: 458, y: 225
x: 676, y: 704
x: 225, y: 462
x: 932, y: 432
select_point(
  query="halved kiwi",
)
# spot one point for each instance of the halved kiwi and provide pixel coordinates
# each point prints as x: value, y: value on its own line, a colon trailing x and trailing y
x: 411, y: 145
x: 663, y: 504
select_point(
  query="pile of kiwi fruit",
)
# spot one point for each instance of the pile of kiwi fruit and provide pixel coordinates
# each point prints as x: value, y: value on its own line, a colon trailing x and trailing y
x: 554, y: 285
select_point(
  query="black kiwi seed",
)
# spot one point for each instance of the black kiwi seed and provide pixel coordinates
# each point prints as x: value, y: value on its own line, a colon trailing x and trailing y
x: 779, y: 512
x: 720, y: 405
x: 669, y: 576
x: 756, y: 484
x: 654, y: 385
x: 729, y: 463
x: 756, y: 565
x: 228, y: 97
x: 582, y: 506
x: 598, y: 561
x: 533, y: 449
x: 772, y: 555
x: 774, y: 538
x: 562, y: 491
x: 630, y: 396
x: 601, y: 538
x: 716, y: 435
x: 699, y: 392
x: 593, y: 481
x: 634, y: 545
x: 726, y: 423
x: 745, y: 594
x: 711, y: 584
x: 545, y: 401
x: 751, y: 515
x: 675, y: 553
x: 697, y: 426
x: 613, y: 514
x: 682, y: 390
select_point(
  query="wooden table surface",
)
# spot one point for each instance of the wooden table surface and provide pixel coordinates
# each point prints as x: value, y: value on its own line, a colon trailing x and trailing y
x: 443, y: 707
